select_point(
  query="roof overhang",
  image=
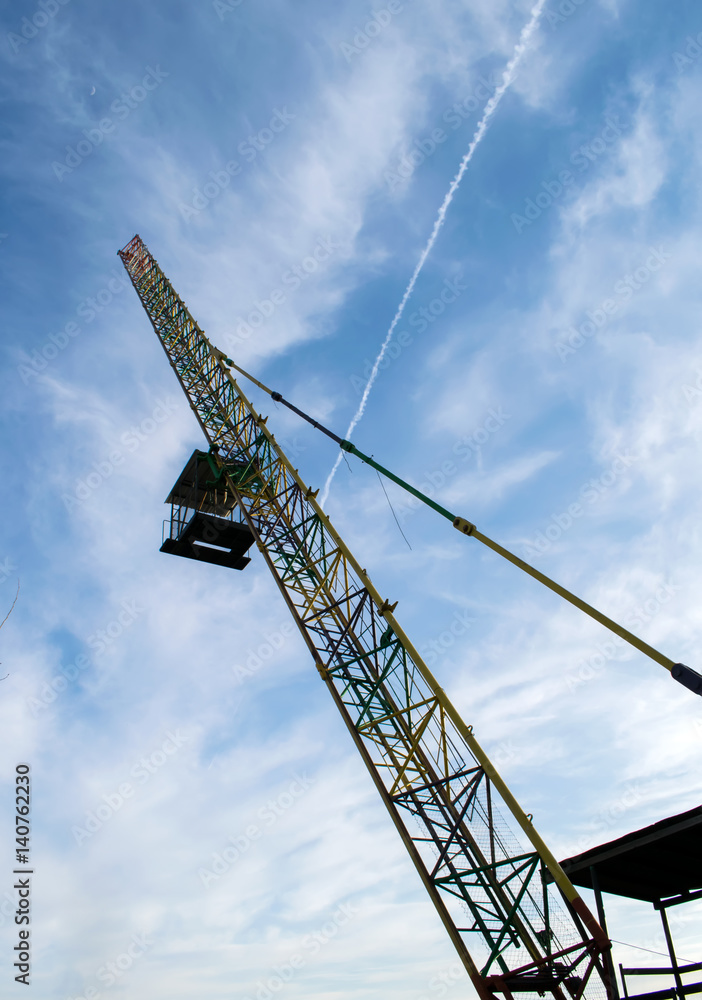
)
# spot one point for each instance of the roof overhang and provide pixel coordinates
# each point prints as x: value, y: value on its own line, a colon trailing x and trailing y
x: 660, y: 861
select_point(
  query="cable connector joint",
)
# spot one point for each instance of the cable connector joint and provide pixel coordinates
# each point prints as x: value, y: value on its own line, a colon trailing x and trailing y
x: 465, y: 527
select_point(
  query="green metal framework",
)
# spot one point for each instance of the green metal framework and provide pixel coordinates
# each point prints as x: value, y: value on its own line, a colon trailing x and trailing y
x: 446, y: 799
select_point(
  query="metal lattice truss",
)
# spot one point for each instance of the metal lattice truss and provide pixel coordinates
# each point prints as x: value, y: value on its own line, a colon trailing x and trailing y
x: 446, y: 799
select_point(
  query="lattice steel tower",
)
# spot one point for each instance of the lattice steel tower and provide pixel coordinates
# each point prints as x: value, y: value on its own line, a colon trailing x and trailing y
x: 516, y: 921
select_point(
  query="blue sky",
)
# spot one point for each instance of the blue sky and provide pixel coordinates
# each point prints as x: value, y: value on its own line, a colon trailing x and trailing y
x: 297, y: 154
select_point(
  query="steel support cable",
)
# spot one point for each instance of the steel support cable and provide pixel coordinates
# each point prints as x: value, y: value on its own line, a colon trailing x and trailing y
x: 685, y: 675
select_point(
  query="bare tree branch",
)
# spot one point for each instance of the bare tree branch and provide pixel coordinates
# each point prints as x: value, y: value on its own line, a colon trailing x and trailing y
x: 7, y: 616
x: 13, y: 606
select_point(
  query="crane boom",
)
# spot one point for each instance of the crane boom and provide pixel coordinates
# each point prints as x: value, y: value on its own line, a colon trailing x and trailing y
x: 516, y: 921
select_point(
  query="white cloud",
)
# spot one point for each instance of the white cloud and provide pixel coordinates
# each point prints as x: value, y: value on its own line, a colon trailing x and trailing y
x: 638, y: 169
x: 594, y: 739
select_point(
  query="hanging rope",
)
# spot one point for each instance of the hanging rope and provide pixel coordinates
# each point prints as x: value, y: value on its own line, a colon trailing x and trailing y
x: 392, y: 509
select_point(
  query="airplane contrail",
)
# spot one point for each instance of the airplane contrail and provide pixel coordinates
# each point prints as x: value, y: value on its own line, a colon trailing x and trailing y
x: 491, y: 107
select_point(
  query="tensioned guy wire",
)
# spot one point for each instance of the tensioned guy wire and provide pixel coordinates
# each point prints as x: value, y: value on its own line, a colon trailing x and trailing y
x: 685, y: 675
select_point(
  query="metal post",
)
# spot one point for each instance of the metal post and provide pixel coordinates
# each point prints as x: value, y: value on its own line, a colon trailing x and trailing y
x: 621, y: 973
x: 674, y: 962
x: 613, y: 989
